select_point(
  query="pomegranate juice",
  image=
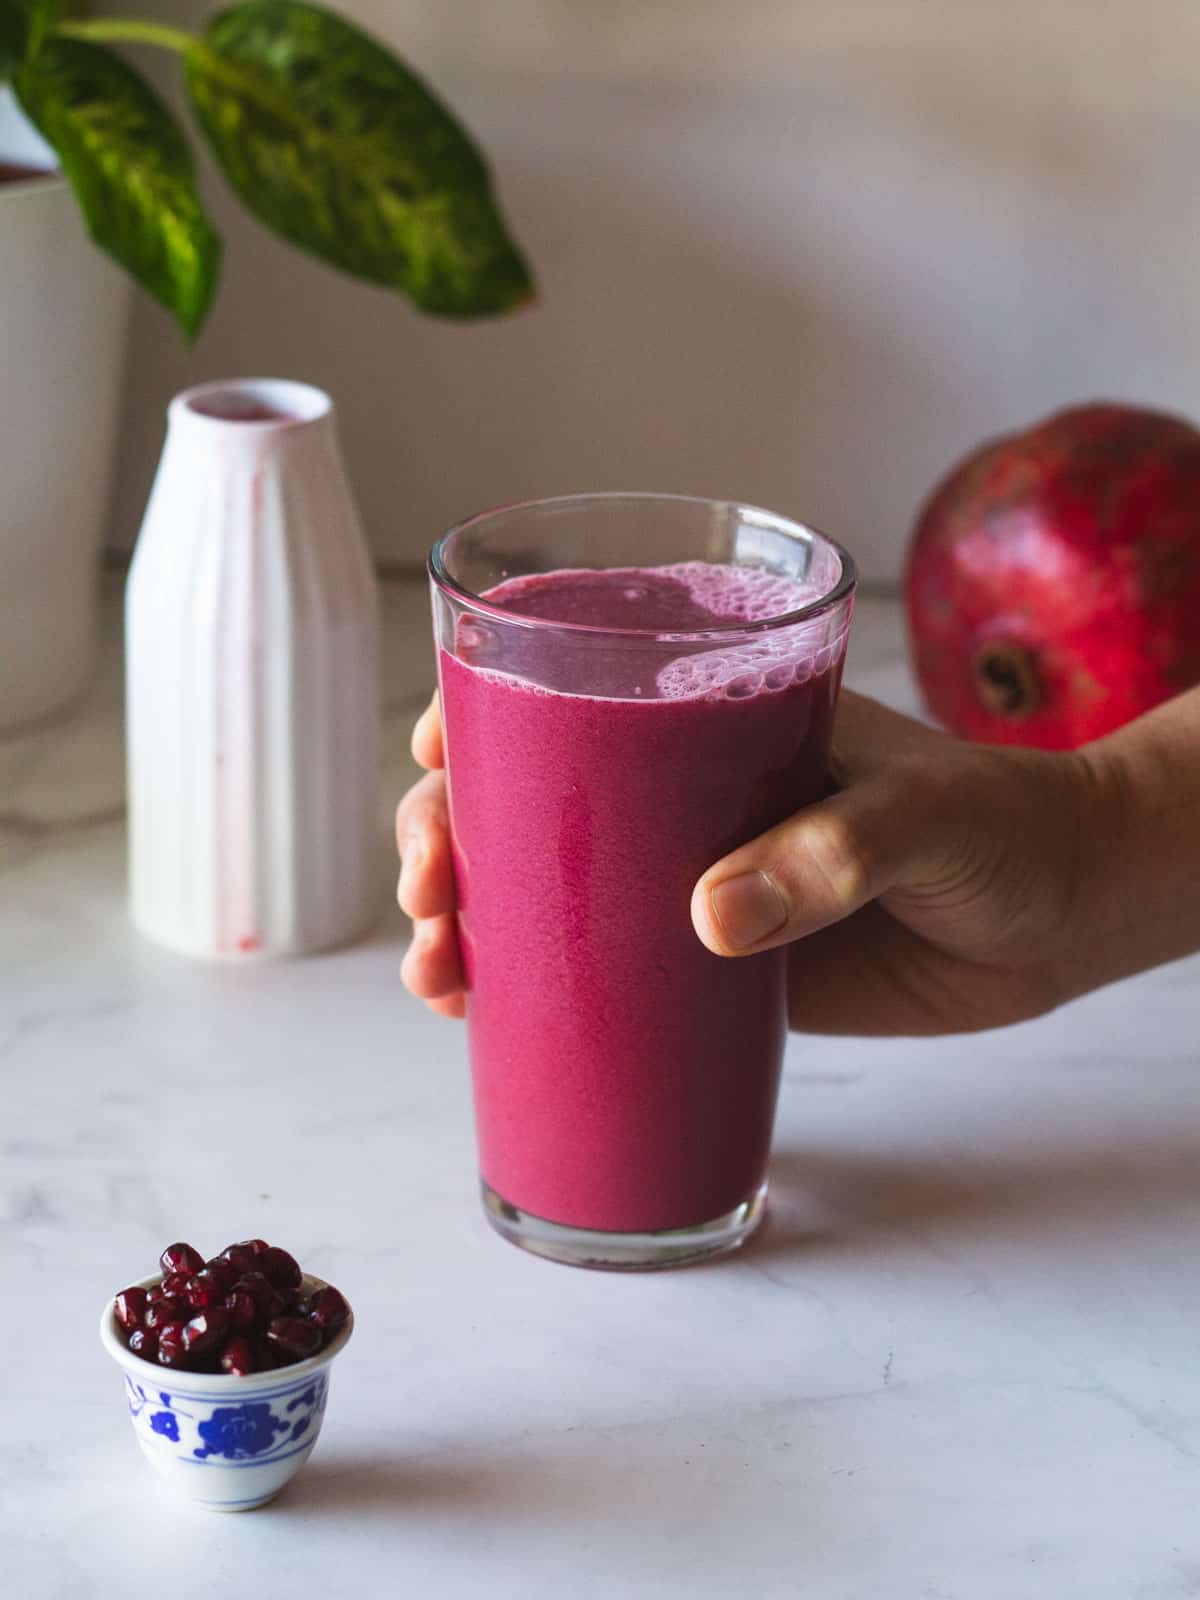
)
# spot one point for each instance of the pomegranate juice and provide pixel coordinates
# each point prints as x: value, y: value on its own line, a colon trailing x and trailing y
x: 625, y: 1078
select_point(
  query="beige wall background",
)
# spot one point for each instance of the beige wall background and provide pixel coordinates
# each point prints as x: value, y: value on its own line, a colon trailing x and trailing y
x: 803, y: 253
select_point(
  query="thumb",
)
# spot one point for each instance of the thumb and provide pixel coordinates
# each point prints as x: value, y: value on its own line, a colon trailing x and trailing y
x: 826, y: 862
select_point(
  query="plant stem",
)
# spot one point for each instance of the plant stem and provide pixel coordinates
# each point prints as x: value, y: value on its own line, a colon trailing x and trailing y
x: 128, y: 30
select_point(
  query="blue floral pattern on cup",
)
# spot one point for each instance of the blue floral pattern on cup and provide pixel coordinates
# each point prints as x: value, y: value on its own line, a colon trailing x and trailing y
x: 239, y: 1431
x: 256, y: 1430
x: 139, y: 1400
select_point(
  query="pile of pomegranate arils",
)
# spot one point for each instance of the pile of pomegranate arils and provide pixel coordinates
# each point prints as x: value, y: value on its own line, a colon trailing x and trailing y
x: 244, y: 1311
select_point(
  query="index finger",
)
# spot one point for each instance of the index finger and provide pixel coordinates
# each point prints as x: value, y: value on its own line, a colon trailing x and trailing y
x: 868, y: 736
x: 427, y: 746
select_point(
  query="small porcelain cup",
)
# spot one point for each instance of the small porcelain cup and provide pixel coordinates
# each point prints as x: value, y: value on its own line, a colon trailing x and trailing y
x: 222, y: 1442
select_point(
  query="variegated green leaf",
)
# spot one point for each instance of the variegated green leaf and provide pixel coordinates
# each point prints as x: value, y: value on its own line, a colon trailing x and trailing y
x: 22, y: 23
x: 130, y: 168
x: 14, y: 37
x: 338, y: 147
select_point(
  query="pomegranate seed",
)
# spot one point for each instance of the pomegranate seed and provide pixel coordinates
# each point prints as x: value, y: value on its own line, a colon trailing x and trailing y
x: 171, y: 1349
x: 238, y: 1358
x: 242, y: 1309
x: 205, y: 1290
x: 268, y: 1355
x: 130, y: 1306
x: 180, y: 1258
x: 240, y: 1257
x: 295, y: 1335
x: 206, y: 1331
x: 280, y: 1269
x: 250, y: 1309
x: 328, y: 1309
x: 267, y: 1301
x: 220, y: 1272
x: 166, y: 1309
x: 144, y: 1342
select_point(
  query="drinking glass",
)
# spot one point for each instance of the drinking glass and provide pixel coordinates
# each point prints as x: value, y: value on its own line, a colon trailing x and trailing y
x: 624, y: 1077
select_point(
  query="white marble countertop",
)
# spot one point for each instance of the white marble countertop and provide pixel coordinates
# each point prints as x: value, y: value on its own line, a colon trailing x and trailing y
x: 962, y: 1362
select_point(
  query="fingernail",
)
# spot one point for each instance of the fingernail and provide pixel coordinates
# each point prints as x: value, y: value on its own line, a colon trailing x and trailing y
x: 748, y: 908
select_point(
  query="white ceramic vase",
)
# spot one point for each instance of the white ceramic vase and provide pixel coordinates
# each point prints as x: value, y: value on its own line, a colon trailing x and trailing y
x: 252, y: 682
x: 63, y: 313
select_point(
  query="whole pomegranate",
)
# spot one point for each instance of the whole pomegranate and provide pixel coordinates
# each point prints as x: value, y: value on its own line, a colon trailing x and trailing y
x: 1053, y: 585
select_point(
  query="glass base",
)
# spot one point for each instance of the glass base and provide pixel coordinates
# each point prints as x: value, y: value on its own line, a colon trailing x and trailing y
x: 624, y: 1252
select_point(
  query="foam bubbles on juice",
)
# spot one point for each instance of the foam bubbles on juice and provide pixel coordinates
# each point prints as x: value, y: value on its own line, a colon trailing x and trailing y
x: 769, y: 662
x: 667, y: 604
x: 741, y: 594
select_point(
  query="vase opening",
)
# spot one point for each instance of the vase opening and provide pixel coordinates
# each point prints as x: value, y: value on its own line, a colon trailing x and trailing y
x: 240, y: 409
x: 271, y: 401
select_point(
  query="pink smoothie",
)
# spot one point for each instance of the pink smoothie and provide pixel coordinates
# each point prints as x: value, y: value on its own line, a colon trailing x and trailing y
x: 625, y: 1079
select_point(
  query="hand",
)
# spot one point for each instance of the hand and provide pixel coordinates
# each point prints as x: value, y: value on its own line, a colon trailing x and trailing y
x: 936, y: 892
x: 432, y: 969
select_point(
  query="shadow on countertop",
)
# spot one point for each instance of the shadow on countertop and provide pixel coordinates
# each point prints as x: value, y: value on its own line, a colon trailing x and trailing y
x: 827, y: 1202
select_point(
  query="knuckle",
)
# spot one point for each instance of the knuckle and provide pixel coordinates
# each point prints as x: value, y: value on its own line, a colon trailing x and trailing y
x: 426, y: 735
x: 410, y: 972
x: 838, y: 850
x: 423, y: 809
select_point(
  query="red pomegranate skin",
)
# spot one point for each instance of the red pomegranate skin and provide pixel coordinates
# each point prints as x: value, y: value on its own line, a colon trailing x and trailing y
x: 1066, y: 559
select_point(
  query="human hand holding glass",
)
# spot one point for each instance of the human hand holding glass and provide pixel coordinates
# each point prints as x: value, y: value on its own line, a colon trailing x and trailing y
x: 945, y: 887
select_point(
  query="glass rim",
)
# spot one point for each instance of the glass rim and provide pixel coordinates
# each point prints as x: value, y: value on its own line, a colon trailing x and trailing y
x: 840, y: 591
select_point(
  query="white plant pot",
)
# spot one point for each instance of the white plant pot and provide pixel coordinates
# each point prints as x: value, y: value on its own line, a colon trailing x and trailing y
x: 63, y: 313
x: 252, y: 683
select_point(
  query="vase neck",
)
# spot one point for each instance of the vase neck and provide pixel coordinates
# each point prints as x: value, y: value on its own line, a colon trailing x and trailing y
x: 249, y: 419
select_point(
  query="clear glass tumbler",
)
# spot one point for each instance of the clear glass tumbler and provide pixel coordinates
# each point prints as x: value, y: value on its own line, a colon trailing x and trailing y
x: 632, y: 685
